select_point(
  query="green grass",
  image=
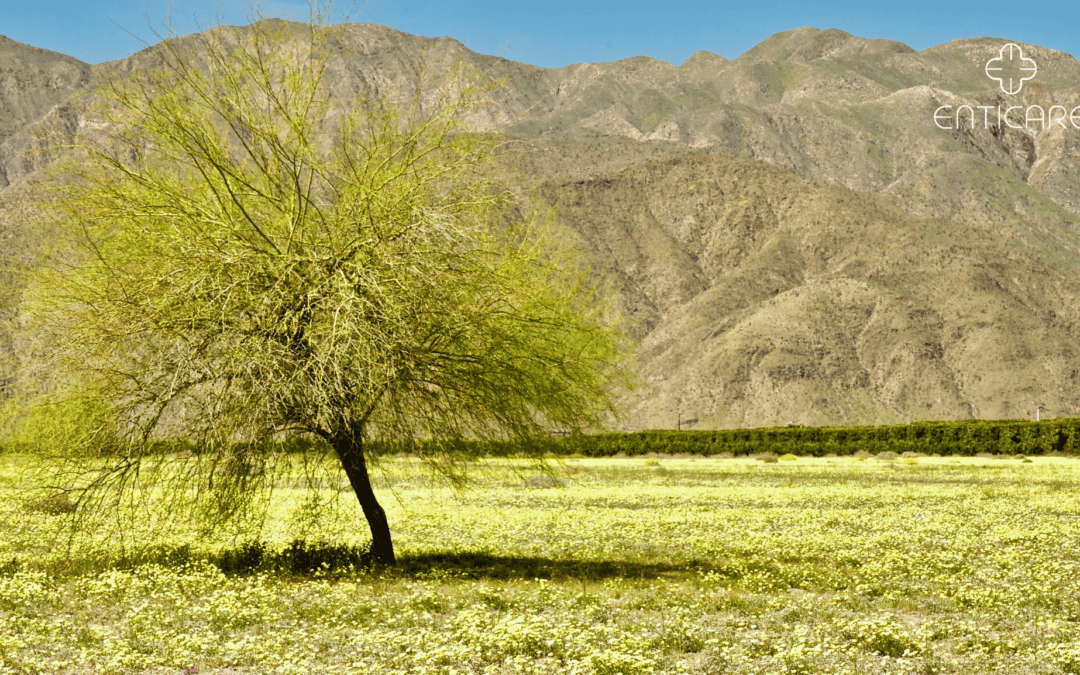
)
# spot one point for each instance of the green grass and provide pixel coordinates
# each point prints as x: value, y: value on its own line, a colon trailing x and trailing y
x: 830, y: 565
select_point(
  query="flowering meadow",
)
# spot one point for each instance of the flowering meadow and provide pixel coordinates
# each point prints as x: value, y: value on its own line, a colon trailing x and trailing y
x: 624, y: 565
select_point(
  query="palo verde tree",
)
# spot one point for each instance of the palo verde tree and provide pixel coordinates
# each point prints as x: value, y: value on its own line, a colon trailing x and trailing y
x: 255, y: 258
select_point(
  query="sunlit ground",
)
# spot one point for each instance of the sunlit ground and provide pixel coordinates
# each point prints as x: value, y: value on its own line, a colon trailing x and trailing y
x: 929, y: 565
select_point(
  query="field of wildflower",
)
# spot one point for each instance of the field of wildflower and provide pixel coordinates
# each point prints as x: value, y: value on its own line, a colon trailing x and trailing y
x: 622, y: 565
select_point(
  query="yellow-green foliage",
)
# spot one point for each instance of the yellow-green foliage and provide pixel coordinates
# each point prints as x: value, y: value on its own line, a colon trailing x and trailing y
x: 247, y: 253
x: 52, y: 423
x: 951, y: 565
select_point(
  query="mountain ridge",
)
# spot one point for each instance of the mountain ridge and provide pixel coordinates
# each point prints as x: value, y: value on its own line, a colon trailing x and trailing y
x: 791, y: 234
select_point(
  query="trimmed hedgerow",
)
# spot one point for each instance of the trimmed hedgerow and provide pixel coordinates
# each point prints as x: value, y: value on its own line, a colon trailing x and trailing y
x: 964, y: 438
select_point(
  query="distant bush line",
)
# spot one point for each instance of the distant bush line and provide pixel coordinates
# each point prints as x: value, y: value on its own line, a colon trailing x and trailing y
x: 967, y: 437
x: 963, y: 437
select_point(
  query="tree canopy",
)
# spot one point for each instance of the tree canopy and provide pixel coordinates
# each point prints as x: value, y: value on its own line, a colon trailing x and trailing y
x: 253, y: 258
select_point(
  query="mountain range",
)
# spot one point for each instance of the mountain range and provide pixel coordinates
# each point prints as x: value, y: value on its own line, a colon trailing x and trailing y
x: 825, y: 230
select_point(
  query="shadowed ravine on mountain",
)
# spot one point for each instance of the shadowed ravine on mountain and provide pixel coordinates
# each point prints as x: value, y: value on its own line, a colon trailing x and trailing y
x: 793, y: 237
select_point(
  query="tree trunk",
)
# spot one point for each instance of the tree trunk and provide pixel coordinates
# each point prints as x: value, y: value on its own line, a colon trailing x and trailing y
x: 351, y: 452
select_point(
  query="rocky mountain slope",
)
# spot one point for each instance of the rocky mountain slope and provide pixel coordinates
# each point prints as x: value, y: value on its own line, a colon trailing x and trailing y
x: 795, y: 236
x: 32, y: 82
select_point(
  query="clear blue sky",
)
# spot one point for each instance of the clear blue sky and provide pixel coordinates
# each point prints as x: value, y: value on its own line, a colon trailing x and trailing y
x: 555, y: 33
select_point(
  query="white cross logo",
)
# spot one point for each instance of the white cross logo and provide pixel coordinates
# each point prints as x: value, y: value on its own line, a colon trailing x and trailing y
x: 1008, y: 68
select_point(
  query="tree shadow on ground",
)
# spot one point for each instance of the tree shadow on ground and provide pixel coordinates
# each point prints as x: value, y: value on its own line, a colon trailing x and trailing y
x: 480, y: 565
x: 301, y: 559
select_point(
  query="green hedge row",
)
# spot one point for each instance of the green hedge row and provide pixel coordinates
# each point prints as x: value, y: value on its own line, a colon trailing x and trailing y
x: 967, y: 437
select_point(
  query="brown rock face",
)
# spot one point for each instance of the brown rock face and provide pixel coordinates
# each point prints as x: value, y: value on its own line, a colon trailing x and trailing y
x: 32, y: 81
x: 763, y: 297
